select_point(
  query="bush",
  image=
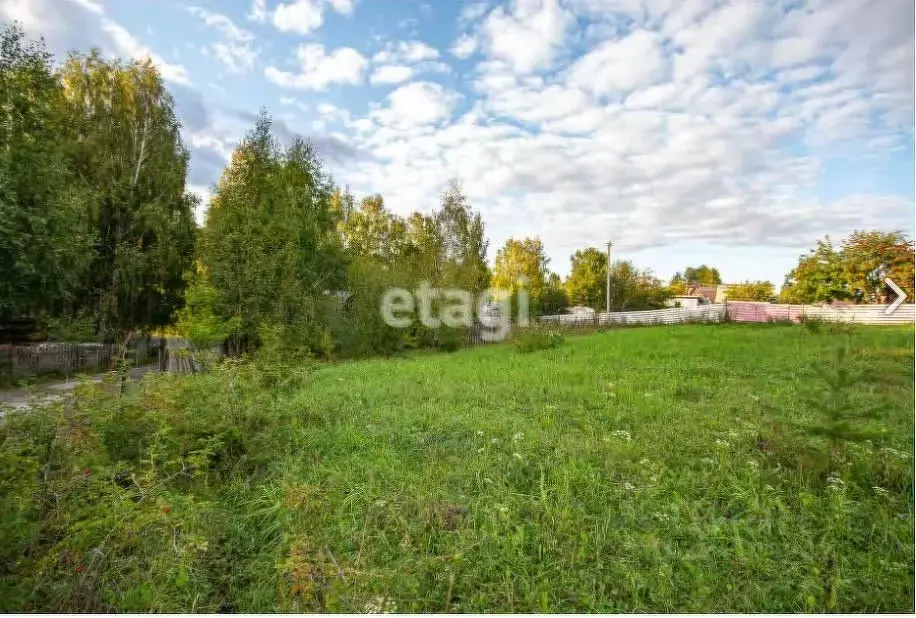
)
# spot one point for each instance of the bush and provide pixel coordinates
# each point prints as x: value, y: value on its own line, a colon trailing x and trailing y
x: 538, y: 339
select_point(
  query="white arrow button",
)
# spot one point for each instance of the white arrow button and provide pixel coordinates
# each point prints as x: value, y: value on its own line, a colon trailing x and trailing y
x: 901, y: 296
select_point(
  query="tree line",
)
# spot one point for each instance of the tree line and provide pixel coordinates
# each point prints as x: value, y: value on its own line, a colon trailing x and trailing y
x: 98, y: 240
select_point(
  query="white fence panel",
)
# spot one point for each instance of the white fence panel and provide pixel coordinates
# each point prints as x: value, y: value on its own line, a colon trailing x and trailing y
x: 673, y: 315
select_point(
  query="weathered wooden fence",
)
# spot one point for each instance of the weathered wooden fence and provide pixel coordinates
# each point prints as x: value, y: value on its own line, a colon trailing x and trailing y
x: 26, y: 361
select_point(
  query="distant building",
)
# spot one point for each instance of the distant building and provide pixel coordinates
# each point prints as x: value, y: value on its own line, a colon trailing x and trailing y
x: 688, y: 301
x: 712, y: 293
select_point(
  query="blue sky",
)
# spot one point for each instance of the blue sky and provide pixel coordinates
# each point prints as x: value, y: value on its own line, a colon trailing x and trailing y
x: 730, y: 133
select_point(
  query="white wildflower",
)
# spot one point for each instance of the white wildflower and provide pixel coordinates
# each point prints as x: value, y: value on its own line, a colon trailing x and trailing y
x: 517, y: 456
x: 479, y: 433
x: 518, y: 437
x: 629, y: 486
x: 623, y: 434
x: 722, y: 442
x: 834, y: 482
x: 494, y: 440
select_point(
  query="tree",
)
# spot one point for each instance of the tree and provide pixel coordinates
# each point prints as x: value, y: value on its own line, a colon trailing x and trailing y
x: 463, y: 242
x: 554, y: 299
x: 45, y: 246
x: 678, y: 285
x: 269, y: 246
x: 521, y: 264
x: 818, y: 277
x: 633, y: 289
x: 704, y: 275
x: 587, y: 279
x: 125, y: 147
x: 871, y: 257
x: 762, y: 291
x: 372, y: 230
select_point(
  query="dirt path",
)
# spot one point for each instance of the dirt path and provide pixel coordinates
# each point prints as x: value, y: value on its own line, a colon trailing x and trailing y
x: 43, y: 394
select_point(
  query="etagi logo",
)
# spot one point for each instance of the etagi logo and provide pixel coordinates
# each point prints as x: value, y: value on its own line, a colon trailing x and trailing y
x: 456, y: 309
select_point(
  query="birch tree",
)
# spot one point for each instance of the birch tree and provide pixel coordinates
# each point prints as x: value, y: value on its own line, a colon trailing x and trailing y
x: 127, y: 153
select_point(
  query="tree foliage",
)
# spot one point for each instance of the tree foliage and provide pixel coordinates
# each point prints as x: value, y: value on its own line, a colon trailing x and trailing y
x: 704, y: 275
x: 854, y: 272
x: 587, y: 279
x: 269, y: 247
x: 761, y: 291
x: 521, y: 264
x: 45, y: 246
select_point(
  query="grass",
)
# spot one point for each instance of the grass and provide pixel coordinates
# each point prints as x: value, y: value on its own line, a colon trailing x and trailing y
x: 681, y: 468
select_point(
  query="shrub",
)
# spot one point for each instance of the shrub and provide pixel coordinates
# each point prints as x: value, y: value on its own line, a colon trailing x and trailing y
x: 538, y: 339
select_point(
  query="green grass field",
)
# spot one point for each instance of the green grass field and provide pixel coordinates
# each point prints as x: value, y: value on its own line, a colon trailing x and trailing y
x: 694, y: 468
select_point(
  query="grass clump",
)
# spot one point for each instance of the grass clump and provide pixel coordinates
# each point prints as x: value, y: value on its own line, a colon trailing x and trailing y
x: 535, y: 339
x: 668, y: 469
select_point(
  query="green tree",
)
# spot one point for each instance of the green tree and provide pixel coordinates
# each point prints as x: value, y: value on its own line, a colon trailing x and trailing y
x: 817, y: 278
x: 633, y: 289
x: 125, y: 147
x: 269, y: 246
x: 587, y: 281
x: 554, y: 299
x: 463, y: 242
x: 678, y: 285
x: 704, y: 275
x: 871, y: 256
x: 45, y: 246
x: 762, y: 291
x: 521, y: 264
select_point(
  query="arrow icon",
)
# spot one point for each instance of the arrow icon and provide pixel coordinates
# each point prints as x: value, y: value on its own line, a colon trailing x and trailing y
x: 901, y: 296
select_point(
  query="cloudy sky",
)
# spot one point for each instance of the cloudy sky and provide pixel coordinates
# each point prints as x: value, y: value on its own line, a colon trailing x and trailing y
x: 730, y: 133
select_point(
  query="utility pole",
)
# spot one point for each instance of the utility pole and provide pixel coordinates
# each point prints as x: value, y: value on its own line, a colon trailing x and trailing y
x: 607, y: 304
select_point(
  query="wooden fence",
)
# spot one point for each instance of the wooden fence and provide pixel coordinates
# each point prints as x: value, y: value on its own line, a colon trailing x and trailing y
x: 18, y: 362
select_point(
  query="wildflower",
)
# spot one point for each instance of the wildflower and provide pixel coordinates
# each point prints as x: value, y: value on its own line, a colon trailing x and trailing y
x: 518, y: 437
x: 623, y: 434
x: 479, y: 433
x: 722, y: 442
x: 166, y: 509
x: 629, y: 486
x: 80, y: 569
x: 753, y: 464
x: 644, y: 462
x: 87, y: 472
x: 480, y: 450
x: 834, y: 482
x: 494, y: 440
x: 517, y: 456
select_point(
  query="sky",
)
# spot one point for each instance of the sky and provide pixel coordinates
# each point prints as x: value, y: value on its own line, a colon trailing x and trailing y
x: 733, y: 134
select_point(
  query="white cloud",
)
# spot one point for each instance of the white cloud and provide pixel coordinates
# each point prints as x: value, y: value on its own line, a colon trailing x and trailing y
x: 529, y: 35
x: 235, y: 49
x: 690, y: 146
x: 464, y: 46
x: 304, y: 16
x: 613, y: 66
x: 406, y: 52
x: 391, y: 74
x: 417, y: 104
x: 126, y: 45
x: 318, y: 70
x: 258, y: 11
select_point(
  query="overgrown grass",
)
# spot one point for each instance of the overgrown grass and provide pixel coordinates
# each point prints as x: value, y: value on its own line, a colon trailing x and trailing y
x: 686, y: 468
